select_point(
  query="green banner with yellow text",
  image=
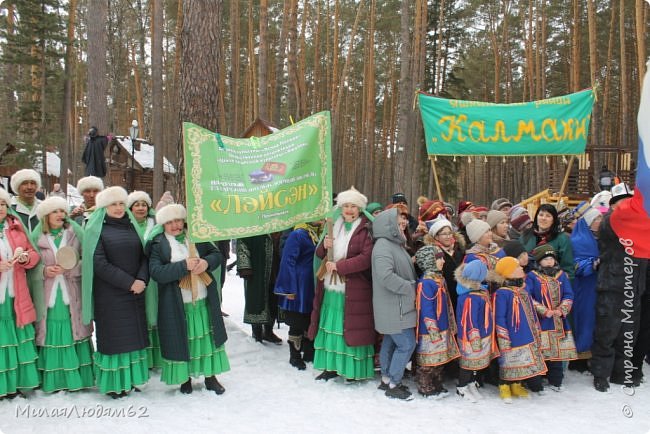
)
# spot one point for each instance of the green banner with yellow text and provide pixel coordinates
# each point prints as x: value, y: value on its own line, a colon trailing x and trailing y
x: 244, y: 187
x: 554, y: 126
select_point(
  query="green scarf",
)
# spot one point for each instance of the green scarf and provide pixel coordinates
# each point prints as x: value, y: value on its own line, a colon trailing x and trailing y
x: 151, y: 293
x: 93, y: 230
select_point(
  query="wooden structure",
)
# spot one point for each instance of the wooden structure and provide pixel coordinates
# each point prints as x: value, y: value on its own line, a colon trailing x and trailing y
x: 131, y: 165
x: 259, y: 128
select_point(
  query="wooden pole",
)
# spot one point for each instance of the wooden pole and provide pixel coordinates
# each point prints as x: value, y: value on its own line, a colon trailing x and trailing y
x: 565, y: 181
x: 435, y: 178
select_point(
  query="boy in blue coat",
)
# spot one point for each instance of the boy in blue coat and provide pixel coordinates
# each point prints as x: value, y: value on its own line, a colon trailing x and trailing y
x: 517, y: 331
x: 475, y: 321
x: 552, y: 297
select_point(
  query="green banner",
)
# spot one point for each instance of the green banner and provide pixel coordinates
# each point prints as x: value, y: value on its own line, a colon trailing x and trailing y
x: 555, y: 126
x: 238, y: 188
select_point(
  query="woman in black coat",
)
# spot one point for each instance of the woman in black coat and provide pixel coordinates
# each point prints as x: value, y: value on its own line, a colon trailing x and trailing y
x: 119, y: 276
x: 190, y: 324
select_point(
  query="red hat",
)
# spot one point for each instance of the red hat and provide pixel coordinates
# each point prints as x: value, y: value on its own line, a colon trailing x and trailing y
x: 431, y: 209
x: 464, y: 205
x: 401, y: 208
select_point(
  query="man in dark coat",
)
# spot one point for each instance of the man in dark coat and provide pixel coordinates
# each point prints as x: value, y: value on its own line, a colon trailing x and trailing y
x: 621, y: 288
x: 258, y: 261
x: 93, y: 155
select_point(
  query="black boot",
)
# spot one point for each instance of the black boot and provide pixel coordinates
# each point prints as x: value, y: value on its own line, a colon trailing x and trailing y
x: 270, y: 336
x: 211, y: 383
x: 258, y: 335
x: 327, y: 375
x: 295, y: 358
x: 601, y: 384
x: 186, y: 387
x: 307, y: 350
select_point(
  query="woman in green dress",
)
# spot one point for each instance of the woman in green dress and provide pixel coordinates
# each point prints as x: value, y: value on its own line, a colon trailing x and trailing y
x: 63, y: 341
x: 190, y: 324
x: 139, y: 203
x: 115, y: 275
x: 17, y: 350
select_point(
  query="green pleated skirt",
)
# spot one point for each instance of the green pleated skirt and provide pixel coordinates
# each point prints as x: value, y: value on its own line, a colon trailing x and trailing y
x: 332, y: 353
x: 17, y: 352
x: 153, y: 350
x: 121, y: 372
x: 205, y: 358
x: 64, y: 364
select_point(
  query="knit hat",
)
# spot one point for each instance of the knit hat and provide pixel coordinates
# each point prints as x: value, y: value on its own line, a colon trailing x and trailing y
x: 601, y: 199
x: 519, y: 218
x: 164, y: 200
x: 426, y: 257
x: 51, y: 204
x: 399, y: 198
x: 431, y: 209
x: 581, y: 209
x: 494, y: 217
x: 352, y: 196
x: 437, y: 224
x: 373, y: 206
x: 401, y: 208
x: 450, y: 209
x: 476, y: 228
x: 565, y: 216
x: 500, y: 203
x: 544, y: 251
x: 111, y: 195
x: 513, y: 248
x: 591, y: 215
x: 138, y: 196
x: 25, y: 175
x: 464, y: 205
x: 174, y: 211
x: 89, y: 183
x: 466, y: 217
x: 619, y: 191
x: 506, y: 266
x: 5, y: 196
x: 474, y: 270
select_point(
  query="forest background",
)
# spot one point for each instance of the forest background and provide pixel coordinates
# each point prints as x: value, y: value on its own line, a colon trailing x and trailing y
x: 67, y: 65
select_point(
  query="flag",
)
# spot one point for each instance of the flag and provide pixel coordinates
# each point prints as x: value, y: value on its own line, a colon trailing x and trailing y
x: 631, y: 218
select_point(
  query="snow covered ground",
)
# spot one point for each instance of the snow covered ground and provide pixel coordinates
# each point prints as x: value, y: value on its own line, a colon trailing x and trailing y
x: 264, y: 394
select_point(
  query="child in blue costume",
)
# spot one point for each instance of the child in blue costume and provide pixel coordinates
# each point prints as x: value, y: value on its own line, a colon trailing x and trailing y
x: 436, y: 325
x: 517, y: 331
x: 475, y: 321
x: 552, y: 297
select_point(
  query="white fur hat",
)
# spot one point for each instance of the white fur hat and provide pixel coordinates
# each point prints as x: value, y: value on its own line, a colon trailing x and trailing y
x: 174, y: 211
x: 25, y: 175
x: 90, y: 182
x: 5, y: 196
x: 137, y: 196
x: 352, y: 196
x: 476, y: 228
x: 111, y: 195
x: 51, y: 204
x: 437, y: 224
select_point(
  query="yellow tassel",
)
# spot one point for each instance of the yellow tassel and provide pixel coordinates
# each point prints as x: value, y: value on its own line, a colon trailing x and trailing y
x: 485, y: 159
x: 504, y: 159
x: 469, y: 159
x: 546, y: 159
x: 525, y: 160
x: 415, y: 98
x: 454, y: 158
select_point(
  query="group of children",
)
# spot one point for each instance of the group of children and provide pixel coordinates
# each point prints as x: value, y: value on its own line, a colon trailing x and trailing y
x: 522, y: 323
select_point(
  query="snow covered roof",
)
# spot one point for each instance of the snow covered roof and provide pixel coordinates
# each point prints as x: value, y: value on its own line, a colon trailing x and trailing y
x: 145, y: 156
x: 53, y: 164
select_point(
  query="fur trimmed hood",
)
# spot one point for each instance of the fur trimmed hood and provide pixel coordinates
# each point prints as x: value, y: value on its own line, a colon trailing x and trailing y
x: 25, y: 175
x: 51, y: 204
x: 111, y: 195
x: 464, y: 284
x: 138, y: 196
x: 90, y: 182
x: 174, y: 211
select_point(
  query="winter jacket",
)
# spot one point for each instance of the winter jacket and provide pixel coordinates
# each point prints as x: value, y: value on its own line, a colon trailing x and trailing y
x: 296, y: 275
x: 73, y: 286
x: 561, y: 244
x: 119, y: 260
x: 172, y: 326
x: 23, y: 305
x: 393, y: 276
x: 358, y: 321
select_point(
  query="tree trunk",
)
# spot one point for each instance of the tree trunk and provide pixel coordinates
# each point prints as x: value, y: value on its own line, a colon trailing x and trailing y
x: 157, y: 97
x: 235, y: 122
x: 405, y: 92
x: 97, y: 109
x: 640, y: 24
x: 68, y: 114
x: 262, y: 75
x: 199, y: 73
